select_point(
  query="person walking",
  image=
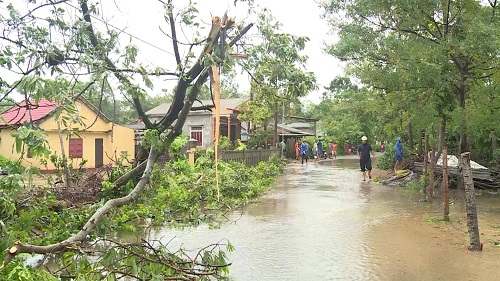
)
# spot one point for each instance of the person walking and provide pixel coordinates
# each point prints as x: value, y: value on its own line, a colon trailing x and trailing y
x: 334, y: 150
x: 347, y: 148
x: 320, y: 149
x: 365, y: 162
x: 382, y: 147
x: 283, y: 148
x: 304, y: 150
x: 399, y: 154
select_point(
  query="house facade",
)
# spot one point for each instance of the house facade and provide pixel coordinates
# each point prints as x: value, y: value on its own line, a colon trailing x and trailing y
x: 98, y: 140
x: 200, y: 125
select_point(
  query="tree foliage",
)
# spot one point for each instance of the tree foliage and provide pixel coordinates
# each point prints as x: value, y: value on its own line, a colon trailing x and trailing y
x: 279, y: 78
x: 425, y: 63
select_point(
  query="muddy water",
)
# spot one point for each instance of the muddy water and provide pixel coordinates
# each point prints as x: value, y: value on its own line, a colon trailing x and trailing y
x: 322, y: 223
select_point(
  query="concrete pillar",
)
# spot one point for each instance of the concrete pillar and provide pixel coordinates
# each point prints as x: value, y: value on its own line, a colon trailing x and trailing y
x: 192, y: 143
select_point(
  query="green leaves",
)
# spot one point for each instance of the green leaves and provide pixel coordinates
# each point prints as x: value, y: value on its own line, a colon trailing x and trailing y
x: 29, y: 134
x: 423, y: 57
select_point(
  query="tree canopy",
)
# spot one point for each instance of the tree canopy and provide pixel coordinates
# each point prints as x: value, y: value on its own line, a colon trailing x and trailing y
x: 422, y: 65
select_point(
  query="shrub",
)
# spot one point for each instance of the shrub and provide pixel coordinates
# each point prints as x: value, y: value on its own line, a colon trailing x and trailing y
x: 183, y: 193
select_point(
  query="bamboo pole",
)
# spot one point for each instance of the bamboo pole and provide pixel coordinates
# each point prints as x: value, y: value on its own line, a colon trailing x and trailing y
x: 216, y: 88
x: 446, y: 200
x: 470, y: 200
x: 426, y: 163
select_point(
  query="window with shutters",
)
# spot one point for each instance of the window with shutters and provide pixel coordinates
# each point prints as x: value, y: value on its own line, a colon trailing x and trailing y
x: 197, y: 134
x: 76, y: 148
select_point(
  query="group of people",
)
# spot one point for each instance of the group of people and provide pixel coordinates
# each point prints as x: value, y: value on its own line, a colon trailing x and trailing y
x: 302, y: 150
x: 364, y: 151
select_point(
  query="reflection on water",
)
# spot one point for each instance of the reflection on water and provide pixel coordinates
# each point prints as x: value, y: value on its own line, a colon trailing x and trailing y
x: 322, y: 223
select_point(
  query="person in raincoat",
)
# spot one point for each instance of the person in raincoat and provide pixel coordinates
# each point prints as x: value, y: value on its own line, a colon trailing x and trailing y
x: 399, y: 153
x: 304, y: 150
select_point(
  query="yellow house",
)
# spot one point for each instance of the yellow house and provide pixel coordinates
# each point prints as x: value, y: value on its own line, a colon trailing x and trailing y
x: 98, y: 140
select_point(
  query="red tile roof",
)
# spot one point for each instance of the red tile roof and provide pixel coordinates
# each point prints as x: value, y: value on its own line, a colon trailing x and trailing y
x: 20, y: 113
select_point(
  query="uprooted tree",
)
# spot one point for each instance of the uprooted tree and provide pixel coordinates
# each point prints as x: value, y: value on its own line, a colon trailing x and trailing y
x: 55, y: 50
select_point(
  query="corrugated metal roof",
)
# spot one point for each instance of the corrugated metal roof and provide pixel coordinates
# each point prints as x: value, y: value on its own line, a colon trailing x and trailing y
x: 299, y: 125
x: 286, y: 130
x: 22, y: 112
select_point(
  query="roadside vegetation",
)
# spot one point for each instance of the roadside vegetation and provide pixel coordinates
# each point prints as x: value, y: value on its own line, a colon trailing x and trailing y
x: 179, y: 195
x: 415, y: 68
x: 63, y: 50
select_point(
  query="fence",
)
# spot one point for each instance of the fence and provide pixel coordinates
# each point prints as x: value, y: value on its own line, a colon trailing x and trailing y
x: 249, y: 157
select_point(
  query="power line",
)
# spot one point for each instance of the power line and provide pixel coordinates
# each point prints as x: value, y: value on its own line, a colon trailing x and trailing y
x: 123, y: 31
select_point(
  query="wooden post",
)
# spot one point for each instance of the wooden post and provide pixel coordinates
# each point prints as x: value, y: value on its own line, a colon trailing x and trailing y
x: 229, y: 128
x: 426, y: 163
x: 470, y: 200
x: 446, y: 201
x: 216, y: 87
x: 431, y: 175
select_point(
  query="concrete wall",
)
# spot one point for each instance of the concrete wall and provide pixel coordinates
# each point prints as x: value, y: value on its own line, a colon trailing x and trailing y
x: 203, y: 120
x: 116, y: 139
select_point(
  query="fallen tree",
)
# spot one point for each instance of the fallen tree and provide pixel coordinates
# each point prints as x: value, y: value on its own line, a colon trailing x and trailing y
x: 96, y: 49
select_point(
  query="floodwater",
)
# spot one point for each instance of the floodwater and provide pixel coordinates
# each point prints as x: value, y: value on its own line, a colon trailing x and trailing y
x: 322, y: 223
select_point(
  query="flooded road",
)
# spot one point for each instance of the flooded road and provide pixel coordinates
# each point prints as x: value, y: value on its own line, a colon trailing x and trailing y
x: 322, y: 223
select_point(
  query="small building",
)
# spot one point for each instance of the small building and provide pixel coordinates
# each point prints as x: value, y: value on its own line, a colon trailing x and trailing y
x: 98, y: 140
x: 200, y: 124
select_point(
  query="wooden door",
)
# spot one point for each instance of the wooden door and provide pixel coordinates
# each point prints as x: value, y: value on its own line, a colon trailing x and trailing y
x: 99, y: 153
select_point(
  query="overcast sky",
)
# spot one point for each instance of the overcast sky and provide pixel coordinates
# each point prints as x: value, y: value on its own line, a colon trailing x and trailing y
x: 142, y: 20
x: 298, y: 17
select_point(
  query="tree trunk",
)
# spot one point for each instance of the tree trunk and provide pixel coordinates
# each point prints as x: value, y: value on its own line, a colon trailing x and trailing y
x: 494, y: 143
x: 426, y: 162
x: 442, y: 140
x: 67, y: 172
x: 431, y: 175
x: 442, y: 135
x: 462, y: 90
x: 446, y: 200
x: 463, y: 130
x: 462, y: 66
x: 275, y: 139
x: 472, y: 224
x: 410, y: 135
x: 420, y: 145
x: 250, y: 126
